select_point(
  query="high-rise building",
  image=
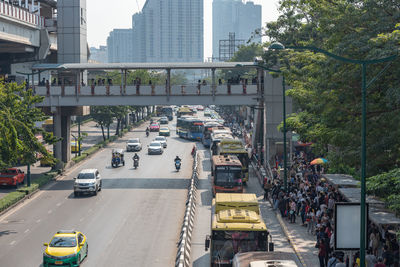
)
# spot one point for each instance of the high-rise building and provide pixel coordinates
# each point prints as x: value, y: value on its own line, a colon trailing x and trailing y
x: 234, y: 16
x: 168, y: 31
x: 119, y: 46
x: 99, y: 54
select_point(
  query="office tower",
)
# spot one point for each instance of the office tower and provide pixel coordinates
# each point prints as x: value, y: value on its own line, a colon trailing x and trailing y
x: 99, y: 55
x: 119, y: 45
x: 234, y: 16
x: 168, y: 31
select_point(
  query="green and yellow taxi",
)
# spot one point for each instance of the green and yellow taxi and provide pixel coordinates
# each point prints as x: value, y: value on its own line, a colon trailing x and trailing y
x: 164, y: 131
x: 74, y: 146
x: 66, y: 248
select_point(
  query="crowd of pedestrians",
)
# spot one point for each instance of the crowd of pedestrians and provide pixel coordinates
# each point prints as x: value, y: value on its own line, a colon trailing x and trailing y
x: 309, y: 200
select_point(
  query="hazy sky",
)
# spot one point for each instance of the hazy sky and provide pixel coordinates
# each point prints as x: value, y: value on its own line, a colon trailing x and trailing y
x: 103, y: 16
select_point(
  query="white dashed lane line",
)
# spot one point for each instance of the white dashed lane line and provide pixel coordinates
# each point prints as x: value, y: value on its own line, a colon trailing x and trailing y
x: 13, y: 242
x: 38, y: 220
x: 26, y: 231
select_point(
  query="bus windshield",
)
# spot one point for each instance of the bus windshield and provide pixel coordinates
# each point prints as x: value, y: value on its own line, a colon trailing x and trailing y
x: 196, y: 127
x: 227, y: 243
x: 228, y: 177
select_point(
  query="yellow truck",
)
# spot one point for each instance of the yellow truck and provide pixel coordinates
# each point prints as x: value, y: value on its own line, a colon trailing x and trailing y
x: 236, y: 226
x: 235, y: 147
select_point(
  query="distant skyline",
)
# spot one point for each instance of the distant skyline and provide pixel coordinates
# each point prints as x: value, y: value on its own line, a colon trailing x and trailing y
x: 103, y: 17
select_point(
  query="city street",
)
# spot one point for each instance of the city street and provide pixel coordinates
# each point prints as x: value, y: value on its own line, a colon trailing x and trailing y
x: 134, y: 221
x: 93, y: 137
x: 200, y: 257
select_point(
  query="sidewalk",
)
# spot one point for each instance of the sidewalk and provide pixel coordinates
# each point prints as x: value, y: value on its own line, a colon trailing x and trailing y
x: 302, y: 242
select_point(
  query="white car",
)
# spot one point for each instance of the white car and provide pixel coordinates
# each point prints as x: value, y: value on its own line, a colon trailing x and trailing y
x: 155, y: 148
x: 87, y: 181
x: 162, y: 140
x: 133, y: 145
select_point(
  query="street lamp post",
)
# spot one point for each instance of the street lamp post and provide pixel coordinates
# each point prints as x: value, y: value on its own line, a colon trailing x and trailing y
x: 363, y: 63
x: 284, y: 121
x: 79, y: 135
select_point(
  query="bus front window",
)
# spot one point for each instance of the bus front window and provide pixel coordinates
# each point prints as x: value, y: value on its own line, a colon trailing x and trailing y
x: 228, y: 178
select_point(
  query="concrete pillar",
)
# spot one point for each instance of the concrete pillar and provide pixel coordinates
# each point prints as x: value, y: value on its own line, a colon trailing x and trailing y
x: 62, y: 129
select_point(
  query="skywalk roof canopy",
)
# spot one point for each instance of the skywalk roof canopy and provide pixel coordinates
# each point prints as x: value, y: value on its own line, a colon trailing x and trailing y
x: 147, y: 66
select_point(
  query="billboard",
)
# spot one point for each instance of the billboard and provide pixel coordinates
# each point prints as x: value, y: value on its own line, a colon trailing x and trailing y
x: 347, y: 226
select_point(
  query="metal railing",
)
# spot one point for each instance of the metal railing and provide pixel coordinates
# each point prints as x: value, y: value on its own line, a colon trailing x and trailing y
x: 21, y: 14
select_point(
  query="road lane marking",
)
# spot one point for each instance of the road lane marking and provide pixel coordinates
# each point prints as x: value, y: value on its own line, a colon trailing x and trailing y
x: 50, y: 211
x: 26, y: 231
x: 58, y: 204
x: 38, y: 220
x: 81, y: 219
x: 13, y: 242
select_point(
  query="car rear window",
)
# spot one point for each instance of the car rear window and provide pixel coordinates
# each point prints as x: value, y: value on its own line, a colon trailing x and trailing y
x: 86, y: 176
x: 155, y: 144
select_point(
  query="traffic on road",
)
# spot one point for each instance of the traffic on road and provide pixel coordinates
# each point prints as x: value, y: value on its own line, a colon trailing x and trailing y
x: 127, y: 201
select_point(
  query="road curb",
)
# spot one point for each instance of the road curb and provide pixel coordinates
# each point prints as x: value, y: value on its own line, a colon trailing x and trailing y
x: 185, y: 239
x: 261, y: 173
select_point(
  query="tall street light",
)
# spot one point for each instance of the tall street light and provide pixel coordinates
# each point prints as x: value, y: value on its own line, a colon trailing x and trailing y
x: 258, y: 63
x: 363, y: 63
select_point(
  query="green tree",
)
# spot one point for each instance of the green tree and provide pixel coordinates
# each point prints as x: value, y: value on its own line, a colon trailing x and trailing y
x: 327, y: 92
x: 104, y: 117
x: 245, y: 53
x: 18, y: 115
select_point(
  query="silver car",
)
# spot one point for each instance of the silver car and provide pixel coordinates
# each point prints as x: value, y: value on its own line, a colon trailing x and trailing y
x: 87, y: 181
x: 133, y: 145
x: 155, y: 148
x: 162, y: 140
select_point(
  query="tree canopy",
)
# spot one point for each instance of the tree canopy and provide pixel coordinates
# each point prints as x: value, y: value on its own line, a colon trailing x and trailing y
x: 327, y: 92
x: 18, y: 114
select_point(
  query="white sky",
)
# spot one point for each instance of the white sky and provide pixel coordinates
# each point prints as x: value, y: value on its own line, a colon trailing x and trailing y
x: 103, y: 16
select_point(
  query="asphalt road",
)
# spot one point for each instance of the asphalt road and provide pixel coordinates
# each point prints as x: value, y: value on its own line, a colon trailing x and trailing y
x: 94, y: 136
x: 134, y: 221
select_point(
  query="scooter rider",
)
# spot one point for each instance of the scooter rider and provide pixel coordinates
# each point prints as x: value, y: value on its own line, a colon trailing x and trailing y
x: 136, y: 157
x: 177, y: 159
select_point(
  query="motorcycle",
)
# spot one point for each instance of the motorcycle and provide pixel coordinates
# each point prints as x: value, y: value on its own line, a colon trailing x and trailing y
x: 135, y: 163
x: 177, y: 165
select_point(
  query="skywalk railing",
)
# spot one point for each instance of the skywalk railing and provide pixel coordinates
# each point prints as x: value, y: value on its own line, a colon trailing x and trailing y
x: 21, y: 14
x: 147, y: 90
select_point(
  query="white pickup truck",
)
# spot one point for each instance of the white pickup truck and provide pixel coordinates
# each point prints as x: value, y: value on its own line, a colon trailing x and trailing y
x: 87, y: 181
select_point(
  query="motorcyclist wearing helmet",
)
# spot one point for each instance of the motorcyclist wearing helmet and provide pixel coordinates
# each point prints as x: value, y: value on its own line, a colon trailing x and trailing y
x: 177, y: 158
x: 135, y: 157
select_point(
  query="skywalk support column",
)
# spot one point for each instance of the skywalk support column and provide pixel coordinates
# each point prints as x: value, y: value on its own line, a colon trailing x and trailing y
x: 258, y: 129
x: 72, y: 48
